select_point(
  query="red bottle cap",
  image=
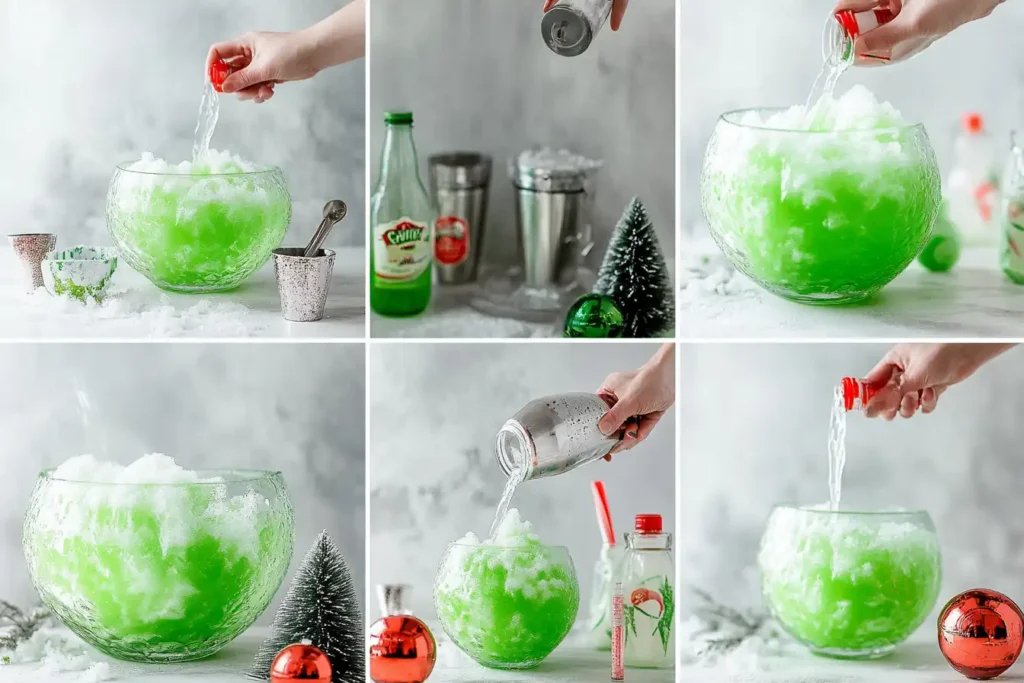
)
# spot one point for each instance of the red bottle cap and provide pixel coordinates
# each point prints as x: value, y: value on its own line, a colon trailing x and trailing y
x: 852, y: 391
x: 648, y: 524
x: 219, y: 71
x: 973, y: 123
x: 855, y: 24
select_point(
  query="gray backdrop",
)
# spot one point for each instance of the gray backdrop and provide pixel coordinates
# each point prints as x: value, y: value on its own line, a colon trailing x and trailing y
x: 754, y: 433
x: 434, y: 412
x: 748, y: 53
x: 296, y: 408
x: 90, y: 85
x: 477, y: 75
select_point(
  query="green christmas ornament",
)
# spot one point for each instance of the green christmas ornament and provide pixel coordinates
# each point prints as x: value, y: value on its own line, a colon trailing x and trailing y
x: 594, y: 316
x: 943, y: 249
x: 634, y: 274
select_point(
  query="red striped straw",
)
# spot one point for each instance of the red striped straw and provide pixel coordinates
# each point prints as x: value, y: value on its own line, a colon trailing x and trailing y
x: 604, y: 516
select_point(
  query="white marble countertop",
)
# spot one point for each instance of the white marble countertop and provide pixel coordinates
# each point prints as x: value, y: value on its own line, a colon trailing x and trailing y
x: 916, y: 661
x: 974, y: 300
x: 570, y: 663
x: 136, y: 309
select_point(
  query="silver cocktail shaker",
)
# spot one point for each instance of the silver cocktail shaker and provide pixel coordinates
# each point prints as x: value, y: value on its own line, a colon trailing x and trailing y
x: 554, y: 434
x: 570, y: 26
x: 459, y: 182
x: 552, y: 201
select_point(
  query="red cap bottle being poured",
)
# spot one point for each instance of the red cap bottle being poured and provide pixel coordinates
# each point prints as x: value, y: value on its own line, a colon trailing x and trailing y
x: 845, y: 27
x: 858, y: 393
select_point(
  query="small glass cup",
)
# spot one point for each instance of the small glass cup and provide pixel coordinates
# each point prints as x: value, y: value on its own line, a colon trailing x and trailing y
x: 506, y: 607
x: 819, y: 216
x: 159, y: 572
x: 849, y: 585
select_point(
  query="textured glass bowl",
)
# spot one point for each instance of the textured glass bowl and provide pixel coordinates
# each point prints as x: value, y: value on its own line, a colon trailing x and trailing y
x: 849, y: 584
x: 159, y: 572
x: 197, y: 233
x: 505, y: 607
x: 818, y: 216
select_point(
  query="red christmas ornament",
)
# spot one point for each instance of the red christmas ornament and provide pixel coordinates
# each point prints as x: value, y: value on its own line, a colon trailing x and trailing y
x: 300, y: 662
x: 402, y: 648
x: 219, y: 71
x: 981, y: 633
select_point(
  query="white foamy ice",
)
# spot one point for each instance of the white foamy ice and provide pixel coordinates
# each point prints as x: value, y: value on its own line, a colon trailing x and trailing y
x: 548, y: 159
x: 148, y: 483
x: 154, y: 468
x: 214, y: 162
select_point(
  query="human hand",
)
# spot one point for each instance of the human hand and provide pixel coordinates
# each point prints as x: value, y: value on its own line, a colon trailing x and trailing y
x: 618, y: 11
x: 916, y: 375
x: 641, y: 397
x: 259, y: 61
x: 917, y: 25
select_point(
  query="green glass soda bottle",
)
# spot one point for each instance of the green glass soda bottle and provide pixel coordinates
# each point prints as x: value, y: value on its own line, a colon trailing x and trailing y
x: 402, y: 217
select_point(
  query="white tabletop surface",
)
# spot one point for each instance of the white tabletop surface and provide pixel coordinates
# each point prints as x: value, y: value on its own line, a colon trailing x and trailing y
x: 974, y: 300
x: 450, y: 316
x: 916, y: 661
x: 136, y: 309
x: 570, y: 663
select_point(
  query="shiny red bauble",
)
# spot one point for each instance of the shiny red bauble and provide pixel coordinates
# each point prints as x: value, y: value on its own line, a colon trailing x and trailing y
x: 981, y: 633
x: 300, y: 662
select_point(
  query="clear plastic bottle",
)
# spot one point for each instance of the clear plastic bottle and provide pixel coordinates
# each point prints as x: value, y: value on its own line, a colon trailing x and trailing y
x: 844, y: 28
x: 972, y: 185
x: 402, y: 217
x: 648, y: 574
x: 1011, y: 214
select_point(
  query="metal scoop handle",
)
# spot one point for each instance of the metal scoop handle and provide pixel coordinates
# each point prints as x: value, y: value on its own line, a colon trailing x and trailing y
x: 334, y: 212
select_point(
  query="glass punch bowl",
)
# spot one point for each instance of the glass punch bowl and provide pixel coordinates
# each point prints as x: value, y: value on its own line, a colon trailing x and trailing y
x: 850, y: 585
x: 197, y: 233
x: 821, y: 217
x: 159, y: 572
x: 507, y: 607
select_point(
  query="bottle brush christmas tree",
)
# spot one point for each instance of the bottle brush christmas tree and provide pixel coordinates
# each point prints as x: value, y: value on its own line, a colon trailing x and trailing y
x: 634, y: 274
x: 321, y: 607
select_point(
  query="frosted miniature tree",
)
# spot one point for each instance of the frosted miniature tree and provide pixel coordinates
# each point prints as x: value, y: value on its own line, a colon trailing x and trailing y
x: 321, y: 607
x: 634, y: 274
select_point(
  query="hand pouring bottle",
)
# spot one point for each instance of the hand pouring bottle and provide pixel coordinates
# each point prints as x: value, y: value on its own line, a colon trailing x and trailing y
x: 570, y: 26
x: 554, y: 434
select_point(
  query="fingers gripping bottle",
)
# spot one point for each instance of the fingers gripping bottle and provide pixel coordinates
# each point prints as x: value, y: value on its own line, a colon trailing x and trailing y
x: 402, y: 217
x: 845, y: 27
x: 648, y: 573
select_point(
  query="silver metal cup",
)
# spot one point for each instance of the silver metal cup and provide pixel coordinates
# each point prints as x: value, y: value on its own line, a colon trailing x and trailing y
x: 554, y: 434
x: 303, y: 282
x: 551, y: 210
x: 31, y: 249
x: 459, y: 182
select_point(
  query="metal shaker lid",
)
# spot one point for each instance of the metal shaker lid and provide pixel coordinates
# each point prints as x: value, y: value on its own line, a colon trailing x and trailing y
x: 460, y: 170
x: 544, y: 170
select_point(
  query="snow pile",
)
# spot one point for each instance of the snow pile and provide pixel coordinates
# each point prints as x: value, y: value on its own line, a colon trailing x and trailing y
x: 707, y: 273
x: 157, y: 312
x: 58, y: 652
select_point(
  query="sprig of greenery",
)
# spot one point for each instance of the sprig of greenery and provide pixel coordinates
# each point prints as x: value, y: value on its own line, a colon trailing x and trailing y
x: 744, y: 625
x: 17, y: 627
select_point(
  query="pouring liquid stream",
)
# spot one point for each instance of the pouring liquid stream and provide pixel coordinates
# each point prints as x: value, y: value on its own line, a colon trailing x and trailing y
x: 836, y: 449
x: 209, y: 112
x: 516, y: 477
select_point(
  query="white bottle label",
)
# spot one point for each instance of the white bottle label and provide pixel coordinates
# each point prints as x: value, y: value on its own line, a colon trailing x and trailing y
x: 401, y: 249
